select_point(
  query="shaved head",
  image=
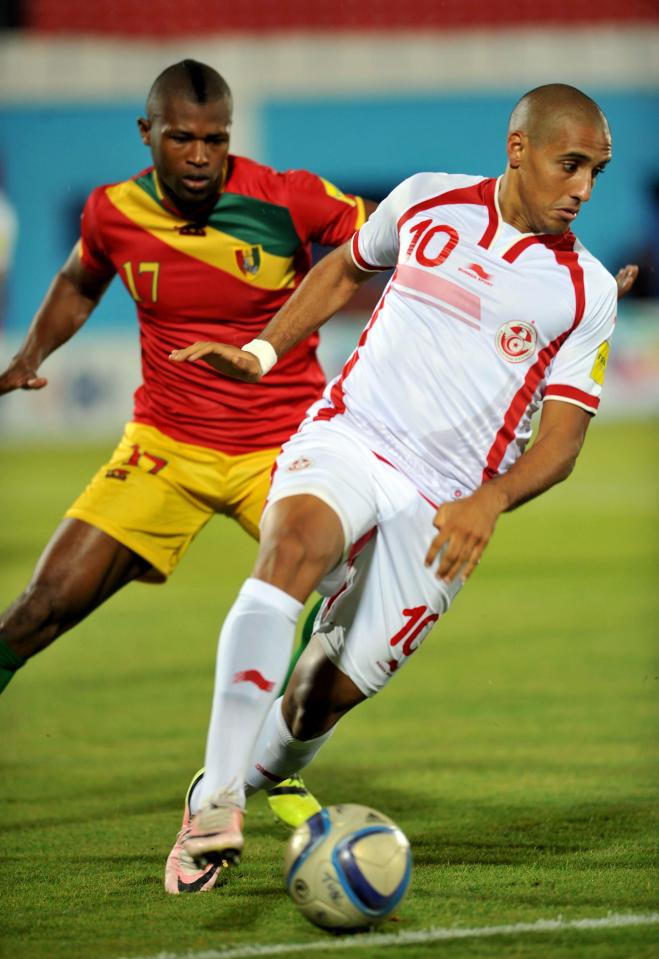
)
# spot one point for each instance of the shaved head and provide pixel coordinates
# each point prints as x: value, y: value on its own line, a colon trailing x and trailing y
x: 188, y: 80
x: 541, y: 111
x: 558, y: 144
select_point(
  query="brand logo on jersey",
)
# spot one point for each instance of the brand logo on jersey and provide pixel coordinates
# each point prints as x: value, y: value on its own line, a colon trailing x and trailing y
x: 599, y: 366
x: 476, y: 272
x: 191, y: 229
x: 248, y: 259
x: 516, y: 341
x: 299, y: 464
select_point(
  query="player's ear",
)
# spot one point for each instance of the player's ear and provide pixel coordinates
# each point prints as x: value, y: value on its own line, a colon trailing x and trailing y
x: 144, y: 126
x: 515, y: 148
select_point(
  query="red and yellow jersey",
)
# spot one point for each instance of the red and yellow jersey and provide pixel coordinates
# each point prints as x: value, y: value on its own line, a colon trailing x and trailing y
x: 222, y: 281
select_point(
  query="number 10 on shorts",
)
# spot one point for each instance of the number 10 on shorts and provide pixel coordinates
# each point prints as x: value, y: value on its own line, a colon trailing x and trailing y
x: 419, y: 622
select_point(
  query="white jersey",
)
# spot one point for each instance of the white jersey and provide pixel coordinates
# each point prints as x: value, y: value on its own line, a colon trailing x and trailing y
x: 478, y: 325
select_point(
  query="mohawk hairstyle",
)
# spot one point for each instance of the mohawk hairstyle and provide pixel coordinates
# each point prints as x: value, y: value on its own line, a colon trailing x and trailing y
x: 191, y: 80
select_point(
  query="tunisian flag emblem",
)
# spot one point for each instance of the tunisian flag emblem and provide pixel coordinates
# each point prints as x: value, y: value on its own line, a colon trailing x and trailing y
x: 249, y: 260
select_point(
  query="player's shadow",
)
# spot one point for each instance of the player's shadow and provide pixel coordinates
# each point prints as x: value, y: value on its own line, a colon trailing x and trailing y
x: 452, y: 832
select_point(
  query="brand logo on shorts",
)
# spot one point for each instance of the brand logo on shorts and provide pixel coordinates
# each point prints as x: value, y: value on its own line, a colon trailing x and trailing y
x: 117, y: 473
x: 299, y: 464
x: 516, y: 341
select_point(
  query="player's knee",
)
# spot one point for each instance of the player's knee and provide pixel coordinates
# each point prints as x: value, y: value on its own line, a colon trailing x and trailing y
x: 292, y: 549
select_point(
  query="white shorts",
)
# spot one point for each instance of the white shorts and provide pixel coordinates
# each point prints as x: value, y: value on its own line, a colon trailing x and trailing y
x: 382, y: 601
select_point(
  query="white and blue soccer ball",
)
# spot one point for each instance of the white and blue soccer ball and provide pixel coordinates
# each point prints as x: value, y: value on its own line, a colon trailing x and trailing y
x: 347, y: 867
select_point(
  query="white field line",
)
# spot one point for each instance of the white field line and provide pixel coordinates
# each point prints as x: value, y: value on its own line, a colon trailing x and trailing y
x: 421, y: 936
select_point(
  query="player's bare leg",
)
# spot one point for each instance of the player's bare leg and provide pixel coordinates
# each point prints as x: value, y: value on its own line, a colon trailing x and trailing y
x: 79, y: 569
x: 318, y: 695
x: 301, y: 539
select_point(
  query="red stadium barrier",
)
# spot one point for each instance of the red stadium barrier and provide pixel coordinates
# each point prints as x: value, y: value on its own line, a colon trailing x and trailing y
x: 175, y: 18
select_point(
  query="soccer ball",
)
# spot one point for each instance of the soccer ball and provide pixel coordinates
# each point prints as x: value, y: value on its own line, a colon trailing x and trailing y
x: 347, y: 867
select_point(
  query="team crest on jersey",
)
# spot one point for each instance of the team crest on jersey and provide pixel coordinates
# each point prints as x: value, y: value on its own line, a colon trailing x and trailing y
x: 516, y: 341
x: 299, y: 464
x: 248, y: 259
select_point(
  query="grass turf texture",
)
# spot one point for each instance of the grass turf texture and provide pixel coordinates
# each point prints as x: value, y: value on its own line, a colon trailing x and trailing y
x: 514, y: 749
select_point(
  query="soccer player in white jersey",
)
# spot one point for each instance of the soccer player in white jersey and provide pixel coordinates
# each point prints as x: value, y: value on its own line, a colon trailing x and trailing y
x: 390, y: 490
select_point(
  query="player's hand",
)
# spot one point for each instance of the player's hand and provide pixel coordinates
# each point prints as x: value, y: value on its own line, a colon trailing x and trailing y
x: 625, y: 279
x: 21, y: 375
x: 225, y: 359
x: 465, y: 528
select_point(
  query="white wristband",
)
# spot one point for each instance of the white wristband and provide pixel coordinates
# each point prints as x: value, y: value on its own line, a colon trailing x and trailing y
x: 264, y: 352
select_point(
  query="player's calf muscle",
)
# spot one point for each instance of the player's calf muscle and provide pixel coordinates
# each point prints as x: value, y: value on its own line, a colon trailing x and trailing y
x: 318, y: 695
x: 33, y: 621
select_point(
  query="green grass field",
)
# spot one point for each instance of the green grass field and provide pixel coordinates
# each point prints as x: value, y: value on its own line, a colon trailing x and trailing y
x: 515, y: 750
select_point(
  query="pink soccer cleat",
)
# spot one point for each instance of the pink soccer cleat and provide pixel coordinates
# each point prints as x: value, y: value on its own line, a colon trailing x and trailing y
x: 182, y: 873
x: 214, y: 835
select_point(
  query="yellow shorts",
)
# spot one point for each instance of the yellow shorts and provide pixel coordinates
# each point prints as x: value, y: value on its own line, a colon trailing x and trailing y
x: 155, y: 494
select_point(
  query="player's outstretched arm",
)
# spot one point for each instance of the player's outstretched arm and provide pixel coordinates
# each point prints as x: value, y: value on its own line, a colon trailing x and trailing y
x: 72, y: 296
x: 466, y: 526
x: 324, y: 291
x: 625, y: 279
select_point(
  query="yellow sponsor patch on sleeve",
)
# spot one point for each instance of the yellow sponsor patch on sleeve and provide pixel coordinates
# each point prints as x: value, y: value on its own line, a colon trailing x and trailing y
x: 599, y: 366
x: 337, y: 194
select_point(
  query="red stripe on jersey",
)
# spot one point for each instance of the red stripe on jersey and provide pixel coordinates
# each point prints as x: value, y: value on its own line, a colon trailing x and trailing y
x: 438, y: 306
x: 519, y: 247
x: 572, y: 393
x: 440, y: 289
x: 489, y: 191
x: 524, y: 395
x: 336, y: 393
x: 359, y: 259
x: 562, y: 242
x: 465, y: 194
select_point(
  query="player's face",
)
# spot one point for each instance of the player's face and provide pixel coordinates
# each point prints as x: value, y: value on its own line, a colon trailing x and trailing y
x: 557, y: 175
x: 189, y: 143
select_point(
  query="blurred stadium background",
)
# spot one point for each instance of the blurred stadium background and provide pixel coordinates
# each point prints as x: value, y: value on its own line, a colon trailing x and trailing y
x: 364, y: 93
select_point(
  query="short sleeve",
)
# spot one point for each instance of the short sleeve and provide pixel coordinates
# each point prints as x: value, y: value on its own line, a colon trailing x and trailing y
x: 321, y: 211
x: 576, y: 374
x: 92, y: 252
x: 376, y: 246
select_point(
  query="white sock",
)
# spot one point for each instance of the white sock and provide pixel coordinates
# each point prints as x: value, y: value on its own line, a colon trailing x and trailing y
x: 277, y: 754
x: 253, y: 655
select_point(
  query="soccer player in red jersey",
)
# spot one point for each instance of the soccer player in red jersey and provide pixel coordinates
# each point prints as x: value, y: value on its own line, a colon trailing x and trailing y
x: 209, y: 246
